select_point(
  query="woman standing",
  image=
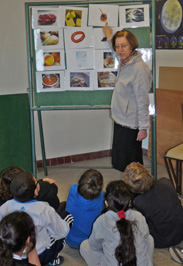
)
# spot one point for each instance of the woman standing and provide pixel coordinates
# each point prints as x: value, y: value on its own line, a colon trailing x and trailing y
x: 130, y: 101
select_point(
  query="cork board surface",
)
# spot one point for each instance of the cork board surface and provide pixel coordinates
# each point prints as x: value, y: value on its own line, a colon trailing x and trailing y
x: 169, y: 120
x: 171, y: 78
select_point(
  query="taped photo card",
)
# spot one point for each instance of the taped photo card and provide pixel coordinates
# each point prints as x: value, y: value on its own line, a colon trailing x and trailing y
x: 48, y: 38
x: 51, y: 81
x: 45, y: 16
x: 105, y: 59
x: 72, y: 16
x: 100, y: 14
x: 134, y: 16
x: 105, y: 80
x: 50, y: 60
x: 80, y: 58
x: 79, y: 80
x: 81, y: 38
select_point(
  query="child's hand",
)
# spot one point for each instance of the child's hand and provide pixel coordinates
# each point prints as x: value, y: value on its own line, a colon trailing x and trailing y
x: 51, y: 181
x: 107, y: 31
x: 33, y: 257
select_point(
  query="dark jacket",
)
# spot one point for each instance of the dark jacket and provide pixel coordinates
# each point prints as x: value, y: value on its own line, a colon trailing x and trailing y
x: 163, y: 212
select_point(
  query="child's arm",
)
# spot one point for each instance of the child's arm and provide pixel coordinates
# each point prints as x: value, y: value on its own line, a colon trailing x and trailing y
x: 33, y: 257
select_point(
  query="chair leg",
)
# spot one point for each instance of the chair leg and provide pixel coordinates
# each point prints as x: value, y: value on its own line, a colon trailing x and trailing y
x: 179, y: 176
x: 175, y: 175
x: 168, y: 167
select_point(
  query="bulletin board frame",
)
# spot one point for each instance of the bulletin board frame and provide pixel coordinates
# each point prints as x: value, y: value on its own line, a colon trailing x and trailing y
x: 81, y: 100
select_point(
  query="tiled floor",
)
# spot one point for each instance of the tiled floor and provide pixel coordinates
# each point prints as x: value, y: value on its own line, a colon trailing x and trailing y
x: 65, y: 177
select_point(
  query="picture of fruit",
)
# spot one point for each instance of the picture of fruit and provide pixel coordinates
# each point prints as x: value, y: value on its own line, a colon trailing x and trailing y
x: 56, y: 57
x: 49, y: 60
x: 73, y: 18
x: 52, y: 59
x: 103, y: 16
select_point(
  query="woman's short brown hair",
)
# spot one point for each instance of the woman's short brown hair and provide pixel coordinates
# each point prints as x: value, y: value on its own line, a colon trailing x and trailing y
x: 129, y: 36
x: 138, y: 178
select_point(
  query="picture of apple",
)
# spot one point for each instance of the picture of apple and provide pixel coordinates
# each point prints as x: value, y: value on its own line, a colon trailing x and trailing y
x: 103, y: 16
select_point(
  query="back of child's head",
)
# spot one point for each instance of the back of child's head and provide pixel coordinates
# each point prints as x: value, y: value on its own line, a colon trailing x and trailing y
x: 119, y: 198
x: 15, y: 228
x: 7, y: 176
x: 90, y: 184
x: 22, y: 187
x: 138, y: 178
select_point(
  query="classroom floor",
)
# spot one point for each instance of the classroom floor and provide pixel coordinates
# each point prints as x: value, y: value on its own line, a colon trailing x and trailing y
x: 65, y: 177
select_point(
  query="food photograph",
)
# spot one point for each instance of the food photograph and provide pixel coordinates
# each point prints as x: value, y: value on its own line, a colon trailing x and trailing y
x: 45, y: 16
x: 106, y: 79
x: 79, y: 79
x: 73, y: 18
x: 49, y: 81
x: 49, y: 37
x: 100, y: 14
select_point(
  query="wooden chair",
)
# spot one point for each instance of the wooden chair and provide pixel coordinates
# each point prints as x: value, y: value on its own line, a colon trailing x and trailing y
x: 175, y: 154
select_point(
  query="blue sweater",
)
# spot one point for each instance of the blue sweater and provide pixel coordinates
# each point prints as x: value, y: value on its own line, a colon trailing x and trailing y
x: 84, y: 212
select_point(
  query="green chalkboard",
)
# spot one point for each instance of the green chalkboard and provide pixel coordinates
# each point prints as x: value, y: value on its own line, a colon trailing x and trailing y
x: 92, y: 98
x: 15, y: 134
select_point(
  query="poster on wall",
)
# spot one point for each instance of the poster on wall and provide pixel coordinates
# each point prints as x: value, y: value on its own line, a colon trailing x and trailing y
x: 134, y: 16
x: 169, y: 24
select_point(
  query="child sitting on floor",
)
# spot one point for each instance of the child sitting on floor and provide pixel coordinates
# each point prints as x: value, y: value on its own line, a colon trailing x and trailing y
x: 17, y: 235
x: 120, y: 236
x: 85, y: 202
x: 157, y: 200
x: 50, y: 227
x: 47, y: 188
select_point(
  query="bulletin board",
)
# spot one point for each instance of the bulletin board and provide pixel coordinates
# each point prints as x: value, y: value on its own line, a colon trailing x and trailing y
x: 92, y: 96
x: 74, y: 96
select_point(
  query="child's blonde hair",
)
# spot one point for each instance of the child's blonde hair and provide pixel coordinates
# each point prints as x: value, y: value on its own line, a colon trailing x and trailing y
x: 138, y: 178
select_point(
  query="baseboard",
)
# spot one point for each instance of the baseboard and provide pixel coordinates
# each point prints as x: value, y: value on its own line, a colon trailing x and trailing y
x: 74, y: 158
x: 78, y: 158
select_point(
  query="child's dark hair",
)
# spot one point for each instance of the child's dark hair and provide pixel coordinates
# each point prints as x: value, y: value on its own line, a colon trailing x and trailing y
x: 7, y: 175
x: 22, y: 187
x: 119, y: 199
x: 15, y: 228
x: 90, y: 184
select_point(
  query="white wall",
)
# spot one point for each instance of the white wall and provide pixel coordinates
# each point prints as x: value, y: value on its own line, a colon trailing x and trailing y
x: 66, y: 132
